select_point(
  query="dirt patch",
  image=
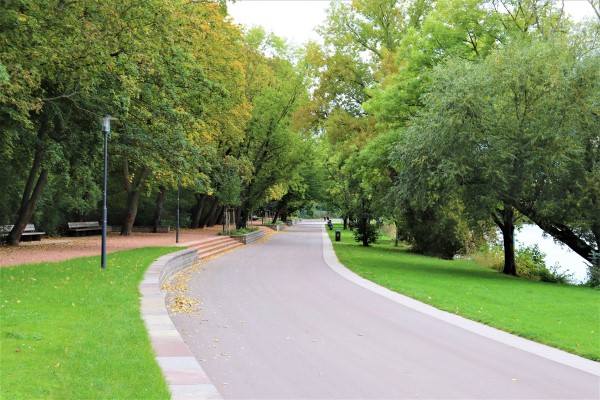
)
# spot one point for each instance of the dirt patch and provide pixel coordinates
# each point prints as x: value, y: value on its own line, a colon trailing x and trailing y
x: 63, y: 248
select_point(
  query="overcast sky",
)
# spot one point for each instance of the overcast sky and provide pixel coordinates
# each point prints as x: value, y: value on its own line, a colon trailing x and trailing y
x: 296, y: 19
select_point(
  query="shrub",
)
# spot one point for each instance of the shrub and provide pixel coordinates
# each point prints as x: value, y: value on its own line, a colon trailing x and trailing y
x: 553, y: 275
x: 235, y: 232
x: 435, y: 232
x: 366, y: 233
x: 530, y: 260
x: 593, y: 272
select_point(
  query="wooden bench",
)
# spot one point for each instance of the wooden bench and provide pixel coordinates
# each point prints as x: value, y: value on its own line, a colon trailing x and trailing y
x: 28, y: 235
x: 84, y: 228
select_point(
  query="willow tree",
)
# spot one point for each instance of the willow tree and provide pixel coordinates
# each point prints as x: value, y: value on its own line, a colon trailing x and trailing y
x: 518, y: 131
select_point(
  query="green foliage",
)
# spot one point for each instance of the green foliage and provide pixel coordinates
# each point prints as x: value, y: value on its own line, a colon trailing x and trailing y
x: 519, y: 306
x: 228, y: 180
x: 593, y: 272
x: 530, y: 262
x: 276, y: 150
x: 438, y: 230
x: 366, y: 233
x: 182, y: 80
x: 52, y: 344
x: 235, y: 232
x: 553, y: 275
x: 478, y: 136
x: 473, y: 87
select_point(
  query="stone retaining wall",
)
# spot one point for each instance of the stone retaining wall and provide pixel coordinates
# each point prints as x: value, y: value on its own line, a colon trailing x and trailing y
x: 145, y: 229
x: 175, y: 262
x: 181, y: 370
x: 249, y: 237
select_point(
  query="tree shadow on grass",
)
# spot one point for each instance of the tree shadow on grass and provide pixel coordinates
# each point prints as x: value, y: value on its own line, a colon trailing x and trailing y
x: 427, y: 265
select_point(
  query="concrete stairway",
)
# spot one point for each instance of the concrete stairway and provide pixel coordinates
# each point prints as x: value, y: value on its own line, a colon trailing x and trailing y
x: 266, y: 230
x: 214, y: 245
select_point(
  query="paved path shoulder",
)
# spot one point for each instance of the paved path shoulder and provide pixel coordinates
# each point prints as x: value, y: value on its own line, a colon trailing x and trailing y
x: 278, y: 320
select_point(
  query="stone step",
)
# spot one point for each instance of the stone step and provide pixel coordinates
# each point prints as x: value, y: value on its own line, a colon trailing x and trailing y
x: 211, y: 242
x: 266, y: 230
x: 219, y: 248
x: 201, y: 242
x: 214, y: 245
x: 213, y: 252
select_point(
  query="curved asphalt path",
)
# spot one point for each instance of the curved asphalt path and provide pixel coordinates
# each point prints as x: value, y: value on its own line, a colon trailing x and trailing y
x: 276, y: 322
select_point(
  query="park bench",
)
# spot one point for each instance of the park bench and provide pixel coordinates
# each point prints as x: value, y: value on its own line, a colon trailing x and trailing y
x: 84, y: 228
x: 28, y: 235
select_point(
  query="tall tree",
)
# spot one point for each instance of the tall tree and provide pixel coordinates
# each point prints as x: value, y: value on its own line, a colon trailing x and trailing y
x: 189, y: 102
x: 360, y: 47
x: 57, y: 55
x: 276, y: 87
x: 515, y: 132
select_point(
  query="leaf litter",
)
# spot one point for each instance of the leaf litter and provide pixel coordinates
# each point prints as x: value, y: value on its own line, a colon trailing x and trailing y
x: 181, y: 302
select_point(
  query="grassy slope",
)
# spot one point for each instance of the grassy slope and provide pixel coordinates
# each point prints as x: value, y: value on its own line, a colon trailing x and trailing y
x: 70, y: 330
x: 562, y: 316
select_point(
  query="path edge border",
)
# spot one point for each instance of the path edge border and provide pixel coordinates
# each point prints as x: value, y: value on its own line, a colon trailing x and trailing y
x: 541, y: 350
x: 184, y: 375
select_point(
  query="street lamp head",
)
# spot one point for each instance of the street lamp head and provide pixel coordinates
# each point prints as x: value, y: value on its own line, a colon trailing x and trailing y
x: 106, y: 123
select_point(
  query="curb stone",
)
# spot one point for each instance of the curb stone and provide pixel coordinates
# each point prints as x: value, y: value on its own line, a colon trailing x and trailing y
x: 183, y: 373
x: 541, y: 350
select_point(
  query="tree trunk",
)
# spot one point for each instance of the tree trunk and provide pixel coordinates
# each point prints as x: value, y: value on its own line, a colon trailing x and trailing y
x: 130, y: 213
x: 210, y: 215
x: 596, y: 233
x: 133, y: 196
x: 345, y: 222
x: 363, y: 228
x: 25, y: 213
x: 505, y: 219
x: 218, y: 216
x: 277, y: 211
x: 562, y: 233
x: 238, y: 216
x: 241, y: 223
x: 160, y: 200
x: 282, y: 209
x: 33, y: 188
x: 197, y: 210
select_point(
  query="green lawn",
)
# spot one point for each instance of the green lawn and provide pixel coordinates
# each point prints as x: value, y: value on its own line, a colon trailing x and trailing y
x: 562, y: 316
x: 70, y: 330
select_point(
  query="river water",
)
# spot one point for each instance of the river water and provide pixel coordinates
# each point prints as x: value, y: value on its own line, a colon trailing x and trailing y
x: 529, y: 235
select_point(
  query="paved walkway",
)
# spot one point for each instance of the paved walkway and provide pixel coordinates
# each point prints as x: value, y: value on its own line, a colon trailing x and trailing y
x: 279, y: 320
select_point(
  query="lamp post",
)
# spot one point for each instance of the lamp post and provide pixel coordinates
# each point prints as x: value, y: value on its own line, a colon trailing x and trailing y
x: 177, y: 227
x: 106, y: 130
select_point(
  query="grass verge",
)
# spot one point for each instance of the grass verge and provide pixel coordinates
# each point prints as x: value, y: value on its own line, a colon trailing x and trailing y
x: 561, y: 316
x: 69, y: 330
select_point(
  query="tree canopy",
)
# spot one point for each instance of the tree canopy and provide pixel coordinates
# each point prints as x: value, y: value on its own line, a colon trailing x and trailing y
x: 450, y: 118
x: 197, y: 101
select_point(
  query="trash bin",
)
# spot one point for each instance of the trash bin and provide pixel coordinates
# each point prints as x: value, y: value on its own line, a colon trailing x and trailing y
x: 338, y: 236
